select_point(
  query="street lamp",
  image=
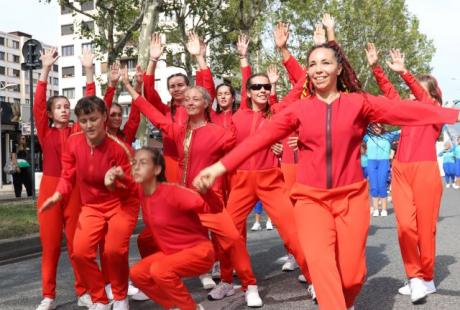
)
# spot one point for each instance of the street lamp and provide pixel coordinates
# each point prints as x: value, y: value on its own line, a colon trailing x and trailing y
x: 3, y: 86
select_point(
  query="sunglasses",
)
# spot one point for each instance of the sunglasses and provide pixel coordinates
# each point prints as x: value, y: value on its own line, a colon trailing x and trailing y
x: 259, y: 86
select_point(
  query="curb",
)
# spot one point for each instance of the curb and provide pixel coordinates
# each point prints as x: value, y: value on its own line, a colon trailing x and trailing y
x: 19, y: 249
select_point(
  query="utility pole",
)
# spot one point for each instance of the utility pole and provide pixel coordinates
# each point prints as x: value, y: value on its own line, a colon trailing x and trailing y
x: 31, y: 52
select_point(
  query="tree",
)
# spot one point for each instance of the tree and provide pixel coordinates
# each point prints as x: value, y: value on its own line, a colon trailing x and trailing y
x: 388, y: 24
x: 118, y: 22
x: 217, y: 21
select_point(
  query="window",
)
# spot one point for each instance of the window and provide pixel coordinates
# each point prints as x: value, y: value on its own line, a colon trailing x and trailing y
x: 69, y: 93
x: 129, y: 63
x: 66, y: 29
x: 86, y: 46
x: 55, y: 68
x: 16, y: 59
x: 2, y: 70
x: 27, y: 101
x: 67, y: 50
x: 55, y: 81
x: 87, y: 5
x: 15, y: 72
x: 17, y: 100
x: 65, y: 10
x: 2, y: 55
x: 2, y: 41
x: 3, y: 99
x: 68, y: 72
x: 83, y: 72
x: 126, y: 110
x: 15, y: 44
x: 87, y: 26
x: 16, y: 88
x: 55, y: 93
x: 84, y: 90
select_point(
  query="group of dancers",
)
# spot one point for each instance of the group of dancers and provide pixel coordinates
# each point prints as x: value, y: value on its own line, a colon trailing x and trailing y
x: 217, y: 163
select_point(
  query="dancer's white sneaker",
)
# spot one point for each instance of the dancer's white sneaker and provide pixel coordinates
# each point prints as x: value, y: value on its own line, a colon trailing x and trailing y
x: 85, y: 301
x: 207, y: 281
x: 418, y: 290
x: 47, y: 304
x: 290, y: 264
x: 252, y: 297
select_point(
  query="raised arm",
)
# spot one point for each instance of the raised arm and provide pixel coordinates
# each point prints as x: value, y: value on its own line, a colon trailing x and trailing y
x: 397, y: 64
x: 242, y: 49
x: 134, y: 118
x: 379, y: 109
x: 48, y: 58
x: 86, y: 59
x: 281, y: 36
x: 280, y: 126
x: 273, y: 76
x: 114, y: 77
x: 156, y: 50
x: 319, y: 35
x: 157, y: 118
x: 197, y: 48
x: 385, y: 85
x: 329, y: 23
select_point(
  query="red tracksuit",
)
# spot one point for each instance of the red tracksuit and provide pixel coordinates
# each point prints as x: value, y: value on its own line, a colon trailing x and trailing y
x: 331, y: 196
x: 197, y: 149
x: 170, y: 214
x: 65, y: 216
x: 416, y: 185
x: 102, y: 214
x: 128, y: 133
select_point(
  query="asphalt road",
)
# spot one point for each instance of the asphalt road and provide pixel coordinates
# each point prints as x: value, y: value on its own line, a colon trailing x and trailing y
x: 20, y: 286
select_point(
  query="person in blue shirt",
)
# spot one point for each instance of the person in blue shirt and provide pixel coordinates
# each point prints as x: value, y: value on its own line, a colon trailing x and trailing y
x: 364, y: 159
x: 457, y: 164
x: 378, y: 165
x: 448, y: 163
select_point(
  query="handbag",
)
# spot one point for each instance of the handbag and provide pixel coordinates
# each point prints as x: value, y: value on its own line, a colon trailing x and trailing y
x: 9, y: 167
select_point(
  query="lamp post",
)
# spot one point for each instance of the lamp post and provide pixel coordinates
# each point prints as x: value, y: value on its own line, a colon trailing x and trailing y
x: 3, y: 86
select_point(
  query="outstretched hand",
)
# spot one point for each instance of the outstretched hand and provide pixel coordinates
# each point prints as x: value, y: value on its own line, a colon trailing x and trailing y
x: 51, y: 201
x: 242, y: 45
x: 114, y: 75
x: 319, y: 35
x: 48, y: 57
x: 397, y: 61
x: 125, y: 77
x: 87, y: 58
x: 372, y: 54
x: 328, y: 21
x: 281, y: 35
x: 193, y: 44
x: 111, y: 175
x: 206, y: 177
x: 156, y: 47
x: 272, y: 73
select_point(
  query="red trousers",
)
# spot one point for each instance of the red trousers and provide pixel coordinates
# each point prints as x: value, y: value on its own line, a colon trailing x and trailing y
x: 417, y: 191
x: 52, y: 223
x: 332, y: 225
x: 246, y: 189
x: 289, y: 175
x: 172, y: 169
x: 113, y: 223
x: 159, y: 275
x: 224, y: 235
x: 130, y: 203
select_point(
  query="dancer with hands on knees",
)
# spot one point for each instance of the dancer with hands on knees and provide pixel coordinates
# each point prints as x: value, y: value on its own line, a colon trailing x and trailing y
x: 86, y: 158
x: 331, y: 196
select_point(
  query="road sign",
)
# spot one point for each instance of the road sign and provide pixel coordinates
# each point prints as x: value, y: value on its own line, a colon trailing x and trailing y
x: 31, y: 52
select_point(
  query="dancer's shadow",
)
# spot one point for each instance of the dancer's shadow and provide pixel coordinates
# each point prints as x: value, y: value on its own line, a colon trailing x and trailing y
x: 378, y: 294
x: 376, y: 260
x: 442, y: 267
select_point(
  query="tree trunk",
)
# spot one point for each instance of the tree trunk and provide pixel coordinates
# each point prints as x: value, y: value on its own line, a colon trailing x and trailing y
x: 148, y: 24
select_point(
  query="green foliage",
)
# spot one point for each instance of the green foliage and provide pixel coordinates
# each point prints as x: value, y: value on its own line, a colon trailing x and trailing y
x: 18, y: 219
x: 388, y: 24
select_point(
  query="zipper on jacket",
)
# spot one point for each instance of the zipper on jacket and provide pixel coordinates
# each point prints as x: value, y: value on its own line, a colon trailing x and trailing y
x: 187, y: 143
x: 328, y: 147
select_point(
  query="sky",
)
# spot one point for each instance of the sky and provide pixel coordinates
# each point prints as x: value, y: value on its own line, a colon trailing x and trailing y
x: 438, y: 20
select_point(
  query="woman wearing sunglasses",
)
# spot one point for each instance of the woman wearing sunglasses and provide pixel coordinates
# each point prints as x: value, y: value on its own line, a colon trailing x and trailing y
x: 259, y: 178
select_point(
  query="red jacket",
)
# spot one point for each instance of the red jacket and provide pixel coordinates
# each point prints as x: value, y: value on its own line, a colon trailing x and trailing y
x: 330, y: 135
x: 87, y: 166
x: 128, y: 133
x: 52, y: 140
x: 417, y: 143
x: 206, y: 144
x: 171, y: 215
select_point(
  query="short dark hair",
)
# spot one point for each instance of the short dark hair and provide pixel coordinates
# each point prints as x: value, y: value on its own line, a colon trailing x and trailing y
x: 157, y: 159
x: 89, y: 104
